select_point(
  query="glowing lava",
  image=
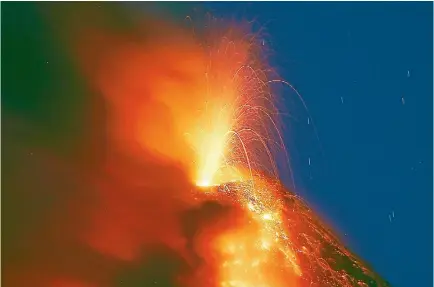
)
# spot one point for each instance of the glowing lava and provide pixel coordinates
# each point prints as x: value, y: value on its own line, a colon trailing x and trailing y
x: 234, y: 143
x: 260, y: 253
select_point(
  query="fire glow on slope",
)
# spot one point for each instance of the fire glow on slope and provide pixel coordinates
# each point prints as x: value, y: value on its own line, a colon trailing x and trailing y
x: 261, y: 253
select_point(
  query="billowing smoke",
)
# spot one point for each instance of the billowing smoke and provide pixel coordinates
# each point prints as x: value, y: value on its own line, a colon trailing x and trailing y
x: 116, y: 208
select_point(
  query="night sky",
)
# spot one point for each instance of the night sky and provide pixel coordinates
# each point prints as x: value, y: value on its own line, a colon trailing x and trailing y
x: 365, y: 73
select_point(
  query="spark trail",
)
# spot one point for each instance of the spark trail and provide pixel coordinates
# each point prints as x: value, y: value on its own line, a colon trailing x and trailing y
x: 236, y: 142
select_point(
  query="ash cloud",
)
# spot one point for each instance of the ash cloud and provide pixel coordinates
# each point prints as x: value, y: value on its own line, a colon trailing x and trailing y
x: 96, y: 186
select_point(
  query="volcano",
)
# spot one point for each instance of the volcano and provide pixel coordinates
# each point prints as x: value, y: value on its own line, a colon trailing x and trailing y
x: 160, y: 108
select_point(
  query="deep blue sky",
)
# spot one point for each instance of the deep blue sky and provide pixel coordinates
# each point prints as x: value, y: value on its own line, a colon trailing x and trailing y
x: 376, y: 157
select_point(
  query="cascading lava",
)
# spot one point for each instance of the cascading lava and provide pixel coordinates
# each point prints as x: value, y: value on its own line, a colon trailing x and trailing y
x: 186, y: 188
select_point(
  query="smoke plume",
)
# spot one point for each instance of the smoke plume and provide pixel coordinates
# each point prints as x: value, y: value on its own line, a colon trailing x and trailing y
x: 114, y: 205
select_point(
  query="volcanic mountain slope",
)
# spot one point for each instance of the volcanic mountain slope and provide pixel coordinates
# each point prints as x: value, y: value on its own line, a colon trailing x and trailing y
x: 322, y: 258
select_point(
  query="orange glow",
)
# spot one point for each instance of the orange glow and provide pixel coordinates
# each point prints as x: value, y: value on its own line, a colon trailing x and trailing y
x: 209, y: 108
